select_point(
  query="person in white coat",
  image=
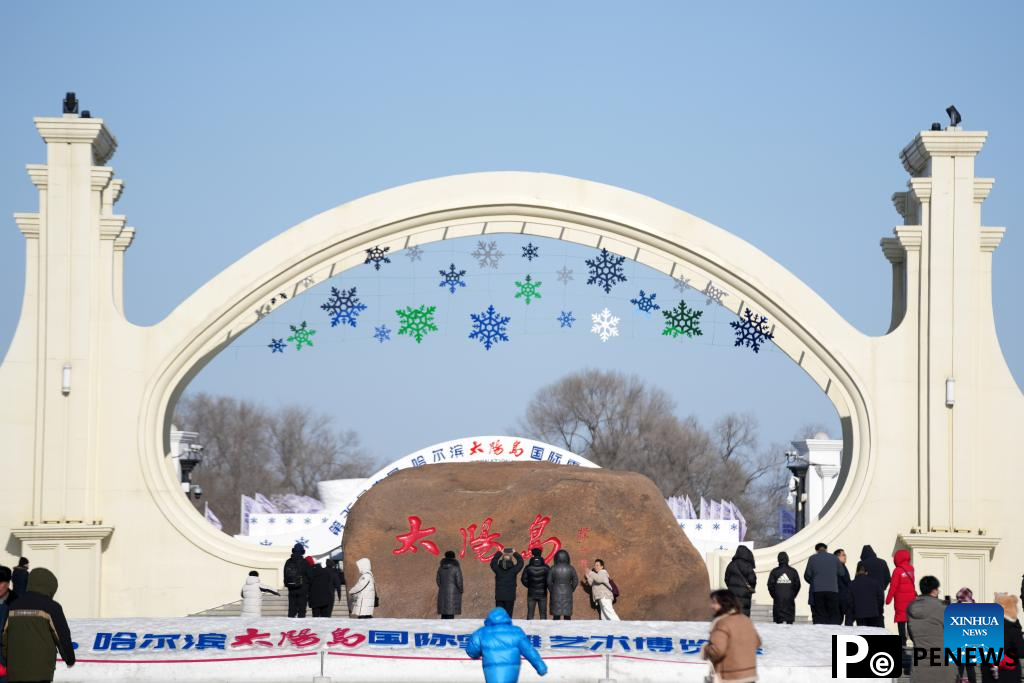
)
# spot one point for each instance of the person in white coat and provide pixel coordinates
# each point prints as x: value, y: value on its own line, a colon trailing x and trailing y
x: 363, y: 595
x: 252, y: 595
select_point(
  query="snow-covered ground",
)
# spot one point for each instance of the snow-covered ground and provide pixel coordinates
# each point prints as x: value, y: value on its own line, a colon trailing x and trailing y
x: 412, y: 650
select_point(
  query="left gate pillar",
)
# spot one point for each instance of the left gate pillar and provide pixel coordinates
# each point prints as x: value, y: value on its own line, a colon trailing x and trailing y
x: 72, y: 294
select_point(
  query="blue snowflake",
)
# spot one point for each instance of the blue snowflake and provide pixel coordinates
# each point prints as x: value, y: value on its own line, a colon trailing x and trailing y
x: 566, y: 319
x: 376, y: 256
x: 276, y: 345
x: 303, y: 540
x: 646, y: 303
x: 266, y: 542
x: 606, y: 270
x: 531, y: 252
x: 414, y: 254
x: 489, y: 327
x: 752, y: 330
x: 382, y: 333
x: 344, y: 307
x: 716, y: 526
x: 452, y: 278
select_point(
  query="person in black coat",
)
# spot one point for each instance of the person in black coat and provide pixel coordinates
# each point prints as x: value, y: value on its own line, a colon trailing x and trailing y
x: 867, y: 599
x: 878, y: 569
x: 506, y: 565
x: 297, y: 582
x: 562, y: 582
x: 337, y: 577
x: 449, y: 587
x: 535, y: 578
x: 783, y: 586
x: 321, y: 589
x: 740, y: 578
x: 845, y: 609
x: 19, y: 577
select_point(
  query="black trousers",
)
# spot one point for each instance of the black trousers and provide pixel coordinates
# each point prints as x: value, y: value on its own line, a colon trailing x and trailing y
x: 870, y: 621
x: 297, y: 598
x: 447, y: 616
x: 901, y: 626
x: 507, y: 605
x: 784, y: 611
x: 567, y: 617
x: 322, y: 611
x: 825, y: 609
x: 539, y: 603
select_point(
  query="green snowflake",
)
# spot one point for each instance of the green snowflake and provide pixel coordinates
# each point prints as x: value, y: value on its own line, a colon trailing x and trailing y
x: 301, y: 335
x: 528, y: 289
x: 682, y: 320
x: 416, y: 322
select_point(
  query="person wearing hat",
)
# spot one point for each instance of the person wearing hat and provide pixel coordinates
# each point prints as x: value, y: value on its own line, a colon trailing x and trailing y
x: 295, y: 580
x: 449, y: 586
x: 36, y: 631
x: 506, y: 565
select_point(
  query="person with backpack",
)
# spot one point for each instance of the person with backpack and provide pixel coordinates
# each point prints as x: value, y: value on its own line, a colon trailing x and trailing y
x: 503, y: 647
x: 562, y: 582
x: 535, y: 578
x: 740, y: 577
x: 601, y: 591
x: 296, y: 583
x: 783, y: 587
x: 36, y: 631
x: 506, y: 565
x: 252, y: 596
x: 363, y: 596
x: 901, y: 591
x: 449, y: 586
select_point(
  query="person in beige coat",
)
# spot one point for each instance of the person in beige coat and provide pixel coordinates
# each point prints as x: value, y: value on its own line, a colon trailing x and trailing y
x: 363, y: 595
x: 732, y: 645
x: 601, y: 591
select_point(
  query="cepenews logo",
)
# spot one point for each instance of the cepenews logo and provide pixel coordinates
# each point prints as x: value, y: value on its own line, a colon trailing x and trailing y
x: 866, y: 656
x: 973, y: 628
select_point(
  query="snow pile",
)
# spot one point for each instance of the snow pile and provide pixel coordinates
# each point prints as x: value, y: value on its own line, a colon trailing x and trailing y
x: 410, y: 650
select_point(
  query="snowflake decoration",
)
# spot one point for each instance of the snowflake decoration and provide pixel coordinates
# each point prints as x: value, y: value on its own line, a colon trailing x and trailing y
x: 413, y: 254
x: 681, y: 284
x: 752, y: 330
x: 605, y: 326
x: 531, y: 252
x: 646, y: 303
x: 417, y: 322
x: 382, y: 333
x: 528, y: 289
x: 682, y: 320
x: 606, y: 270
x: 344, y: 307
x: 376, y: 256
x: 714, y: 294
x: 452, y: 278
x: 716, y: 526
x: 487, y: 254
x: 489, y: 327
x: 564, y: 275
x: 276, y: 345
x: 266, y: 542
x: 289, y: 520
x: 301, y: 335
x: 566, y: 319
x: 303, y: 540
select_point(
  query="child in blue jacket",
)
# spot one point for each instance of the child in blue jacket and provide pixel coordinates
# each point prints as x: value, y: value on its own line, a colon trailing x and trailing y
x: 503, y: 646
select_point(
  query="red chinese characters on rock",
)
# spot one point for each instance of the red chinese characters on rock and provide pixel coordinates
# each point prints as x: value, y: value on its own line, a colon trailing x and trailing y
x: 304, y: 638
x: 484, y: 546
x: 416, y: 535
x: 536, y: 531
x: 477, y: 447
x: 341, y: 636
x: 251, y: 637
x: 516, y: 449
x: 497, y: 448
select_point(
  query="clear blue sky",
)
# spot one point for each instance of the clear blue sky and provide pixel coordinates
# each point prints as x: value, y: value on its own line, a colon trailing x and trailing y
x: 780, y: 123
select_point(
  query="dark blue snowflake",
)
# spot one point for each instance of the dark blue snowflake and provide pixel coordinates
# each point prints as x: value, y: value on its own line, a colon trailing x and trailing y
x: 752, y: 330
x: 452, y: 278
x: 266, y: 542
x: 276, y: 345
x: 489, y: 327
x: 382, y: 333
x: 303, y: 540
x: 376, y: 256
x: 531, y: 252
x: 646, y: 303
x: 566, y: 319
x: 606, y: 270
x: 344, y: 307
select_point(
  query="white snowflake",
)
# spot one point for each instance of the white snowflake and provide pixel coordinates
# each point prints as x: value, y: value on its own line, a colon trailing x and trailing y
x: 681, y: 283
x: 487, y: 254
x: 564, y: 275
x: 414, y: 254
x: 605, y: 326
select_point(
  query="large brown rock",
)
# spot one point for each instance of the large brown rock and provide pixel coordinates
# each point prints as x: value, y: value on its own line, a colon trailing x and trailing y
x: 620, y: 517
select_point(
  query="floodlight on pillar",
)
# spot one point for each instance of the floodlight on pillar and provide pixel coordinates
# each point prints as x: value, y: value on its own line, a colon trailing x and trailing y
x: 954, y: 116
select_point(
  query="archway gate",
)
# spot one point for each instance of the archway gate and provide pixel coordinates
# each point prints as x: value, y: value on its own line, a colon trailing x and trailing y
x: 91, y: 493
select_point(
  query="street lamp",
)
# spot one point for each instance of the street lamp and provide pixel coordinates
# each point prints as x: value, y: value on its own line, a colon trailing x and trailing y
x: 191, y: 455
x: 798, y: 466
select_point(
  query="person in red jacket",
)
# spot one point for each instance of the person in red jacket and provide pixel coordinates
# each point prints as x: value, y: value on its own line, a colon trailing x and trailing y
x: 902, y: 590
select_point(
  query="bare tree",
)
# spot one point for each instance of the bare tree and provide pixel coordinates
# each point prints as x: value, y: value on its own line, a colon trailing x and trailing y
x: 249, y: 448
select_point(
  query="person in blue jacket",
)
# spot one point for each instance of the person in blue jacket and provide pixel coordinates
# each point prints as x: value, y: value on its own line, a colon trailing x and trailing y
x: 503, y: 646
